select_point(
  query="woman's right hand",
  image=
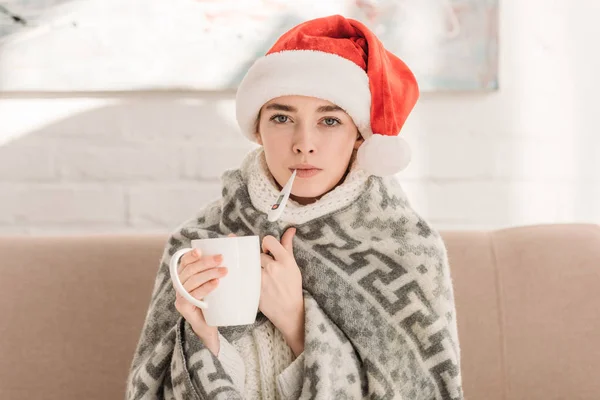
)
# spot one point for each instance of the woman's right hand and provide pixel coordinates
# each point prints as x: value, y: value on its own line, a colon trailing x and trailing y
x: 199, y: 276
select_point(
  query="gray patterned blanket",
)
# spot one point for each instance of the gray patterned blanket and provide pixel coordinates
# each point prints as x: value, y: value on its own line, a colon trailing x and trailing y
x: 380, y: 315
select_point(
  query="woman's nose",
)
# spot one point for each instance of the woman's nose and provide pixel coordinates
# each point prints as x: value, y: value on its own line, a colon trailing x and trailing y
x: 303, y: 141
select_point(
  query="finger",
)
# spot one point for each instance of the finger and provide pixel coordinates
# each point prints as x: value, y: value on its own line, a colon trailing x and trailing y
x: 204, y: 290
x: 287, y: 240
x: 188, y: 310
x: 201, y: 278
x: 180, y: 302
x: 231, y: 235
x: 265, y: 260
x: 188, y: 258
x: 272, y: 245
x: 202, y: 264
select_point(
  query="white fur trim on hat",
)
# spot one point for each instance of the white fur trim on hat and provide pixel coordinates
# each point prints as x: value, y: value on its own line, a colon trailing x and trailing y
x: 304, y: 73
x: 383, y: 155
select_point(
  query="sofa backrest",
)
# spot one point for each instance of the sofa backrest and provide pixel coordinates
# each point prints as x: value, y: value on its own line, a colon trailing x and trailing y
x: 527, y: 299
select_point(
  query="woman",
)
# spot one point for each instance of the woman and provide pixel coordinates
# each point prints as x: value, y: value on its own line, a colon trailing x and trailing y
x: 356, y: 298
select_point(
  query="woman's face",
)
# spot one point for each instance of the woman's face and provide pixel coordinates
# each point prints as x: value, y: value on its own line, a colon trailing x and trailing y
x: 314, y: 136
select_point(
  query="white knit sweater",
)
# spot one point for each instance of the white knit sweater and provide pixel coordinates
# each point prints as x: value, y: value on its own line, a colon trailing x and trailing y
x: 261, y: 364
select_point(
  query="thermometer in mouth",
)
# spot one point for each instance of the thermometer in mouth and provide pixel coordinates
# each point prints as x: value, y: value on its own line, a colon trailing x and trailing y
x: 279, y: 205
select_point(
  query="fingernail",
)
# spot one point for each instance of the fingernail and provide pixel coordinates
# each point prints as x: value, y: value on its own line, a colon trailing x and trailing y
x: 219, y: 258
x: 196, y: 253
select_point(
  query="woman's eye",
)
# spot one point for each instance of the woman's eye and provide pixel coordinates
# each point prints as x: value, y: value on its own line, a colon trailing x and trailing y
x: 280, y: 119
x: 331, y: 121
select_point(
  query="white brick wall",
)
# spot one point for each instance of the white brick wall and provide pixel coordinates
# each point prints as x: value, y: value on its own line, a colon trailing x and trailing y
x: 159, y: 205
x: 62, y: 204
x: 529, y: 153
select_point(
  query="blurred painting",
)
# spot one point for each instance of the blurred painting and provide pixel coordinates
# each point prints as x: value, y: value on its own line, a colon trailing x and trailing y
x: 207, y: 45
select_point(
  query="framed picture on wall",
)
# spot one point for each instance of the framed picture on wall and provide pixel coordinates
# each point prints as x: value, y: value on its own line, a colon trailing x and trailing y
x: 207, y: 45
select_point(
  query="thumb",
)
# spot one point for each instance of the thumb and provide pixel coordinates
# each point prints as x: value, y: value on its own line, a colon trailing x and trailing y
x: 287, y: 240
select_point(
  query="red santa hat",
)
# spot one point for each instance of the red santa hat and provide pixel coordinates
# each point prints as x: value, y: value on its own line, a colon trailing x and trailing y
x: 339, y: 60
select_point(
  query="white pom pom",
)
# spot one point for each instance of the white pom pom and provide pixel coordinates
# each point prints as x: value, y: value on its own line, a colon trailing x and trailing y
x: 383, y: 155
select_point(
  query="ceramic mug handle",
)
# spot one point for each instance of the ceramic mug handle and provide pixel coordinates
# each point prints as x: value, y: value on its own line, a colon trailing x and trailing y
x: 177, y: 283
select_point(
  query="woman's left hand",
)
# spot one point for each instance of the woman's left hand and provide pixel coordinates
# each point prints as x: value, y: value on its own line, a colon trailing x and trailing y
x: 281, y: 298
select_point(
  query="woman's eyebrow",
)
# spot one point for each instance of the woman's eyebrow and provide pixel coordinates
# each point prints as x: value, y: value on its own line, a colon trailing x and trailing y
x: 329, y: 109
x: 280, y: 107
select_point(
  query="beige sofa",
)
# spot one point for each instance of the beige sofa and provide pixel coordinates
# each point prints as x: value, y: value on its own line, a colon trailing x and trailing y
x: 528, y: 304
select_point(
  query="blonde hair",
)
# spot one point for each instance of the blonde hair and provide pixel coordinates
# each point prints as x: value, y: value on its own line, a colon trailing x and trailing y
x: 257, y: 122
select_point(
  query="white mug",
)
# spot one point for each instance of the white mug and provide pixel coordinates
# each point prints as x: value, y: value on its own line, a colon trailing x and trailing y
x: 235, y: 300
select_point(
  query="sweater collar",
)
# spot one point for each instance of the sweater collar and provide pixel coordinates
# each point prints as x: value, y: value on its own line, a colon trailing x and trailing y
x: 263, y: 191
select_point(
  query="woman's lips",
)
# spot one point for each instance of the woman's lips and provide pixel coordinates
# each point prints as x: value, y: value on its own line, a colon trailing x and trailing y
x: 307, y: 173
